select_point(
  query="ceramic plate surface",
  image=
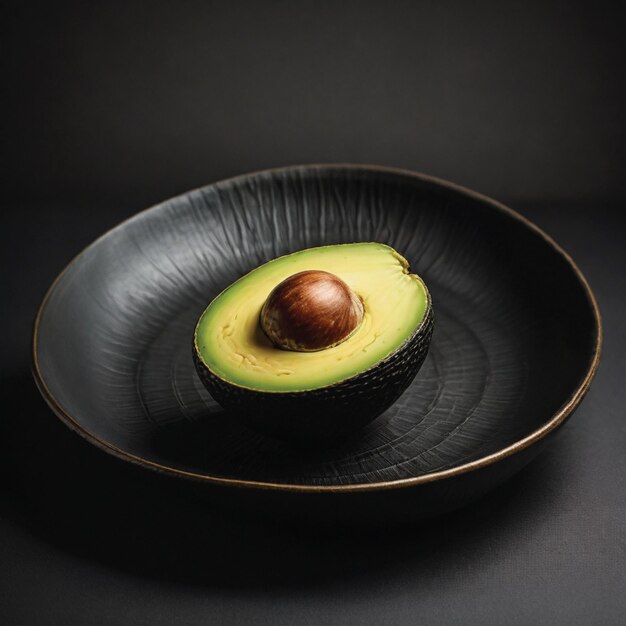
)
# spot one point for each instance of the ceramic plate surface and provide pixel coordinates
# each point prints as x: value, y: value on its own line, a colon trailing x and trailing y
x: 516, y: 341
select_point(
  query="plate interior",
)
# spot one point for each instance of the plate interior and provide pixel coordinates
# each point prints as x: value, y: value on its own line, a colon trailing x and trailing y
x: 513, y: 336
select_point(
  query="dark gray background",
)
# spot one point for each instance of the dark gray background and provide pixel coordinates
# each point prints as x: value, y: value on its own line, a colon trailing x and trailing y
x: 132, y: 103
x: 112, y: 108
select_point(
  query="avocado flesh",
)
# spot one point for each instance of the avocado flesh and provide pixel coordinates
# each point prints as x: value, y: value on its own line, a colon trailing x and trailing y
x: 232, y: 345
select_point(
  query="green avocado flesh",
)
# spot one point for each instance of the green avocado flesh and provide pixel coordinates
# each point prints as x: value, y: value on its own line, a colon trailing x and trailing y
x: 231, y: 343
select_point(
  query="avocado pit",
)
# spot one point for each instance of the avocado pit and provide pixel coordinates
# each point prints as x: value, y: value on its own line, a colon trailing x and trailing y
x: 310, y: 311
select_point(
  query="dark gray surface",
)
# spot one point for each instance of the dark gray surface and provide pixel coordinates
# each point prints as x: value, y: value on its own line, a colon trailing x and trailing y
x: 85, y: 539
x: 135, y: 102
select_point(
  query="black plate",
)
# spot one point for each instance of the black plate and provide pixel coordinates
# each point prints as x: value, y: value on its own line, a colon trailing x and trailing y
x: 516, y: 342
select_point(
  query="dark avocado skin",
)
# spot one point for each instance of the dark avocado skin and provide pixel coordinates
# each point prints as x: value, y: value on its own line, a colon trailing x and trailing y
x: 332, y: 411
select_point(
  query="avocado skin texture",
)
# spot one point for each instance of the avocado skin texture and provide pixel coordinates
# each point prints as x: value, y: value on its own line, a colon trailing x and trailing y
x: 332, y: 411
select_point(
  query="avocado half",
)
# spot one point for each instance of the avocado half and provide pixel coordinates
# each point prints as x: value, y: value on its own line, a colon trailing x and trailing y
x: 316, y: 394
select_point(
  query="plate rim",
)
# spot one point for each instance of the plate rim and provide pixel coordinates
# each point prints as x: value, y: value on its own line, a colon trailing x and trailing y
x: 552, y: 423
